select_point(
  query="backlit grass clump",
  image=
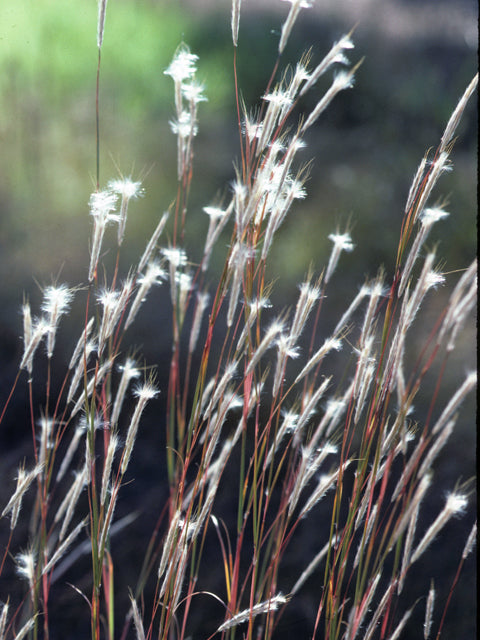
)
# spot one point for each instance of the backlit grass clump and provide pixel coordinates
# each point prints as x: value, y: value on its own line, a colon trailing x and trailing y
x: 254, y: 414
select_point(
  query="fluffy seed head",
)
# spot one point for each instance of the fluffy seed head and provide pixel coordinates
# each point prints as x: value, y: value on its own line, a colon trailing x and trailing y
x: 182, y: 66
x: 126, y: 188
x: 56, y: 301
x: 26, y: 566
x: 176, y: 257
x: 193, y: 92
x: 184, y: 126
x: 102, y: 203
x: 432, y: 215
x: 146, y: 391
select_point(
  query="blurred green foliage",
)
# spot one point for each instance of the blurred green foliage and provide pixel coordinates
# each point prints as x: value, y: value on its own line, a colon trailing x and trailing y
x: 54, y: 42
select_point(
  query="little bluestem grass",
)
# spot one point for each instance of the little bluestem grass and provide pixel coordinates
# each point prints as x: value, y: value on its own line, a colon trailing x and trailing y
x: 245, y: 398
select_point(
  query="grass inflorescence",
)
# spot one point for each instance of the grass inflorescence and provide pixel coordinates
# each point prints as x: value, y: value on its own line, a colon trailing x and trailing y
x: 259, y: 431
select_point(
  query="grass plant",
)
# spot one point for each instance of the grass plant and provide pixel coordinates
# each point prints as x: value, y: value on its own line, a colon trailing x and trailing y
x: 259, y: 430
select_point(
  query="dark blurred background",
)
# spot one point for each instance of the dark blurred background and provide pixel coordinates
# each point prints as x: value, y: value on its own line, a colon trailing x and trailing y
x: 419, y: 57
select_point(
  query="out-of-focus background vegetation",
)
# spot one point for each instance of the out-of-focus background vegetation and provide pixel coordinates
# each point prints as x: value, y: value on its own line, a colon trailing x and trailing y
x: 419, y: 57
